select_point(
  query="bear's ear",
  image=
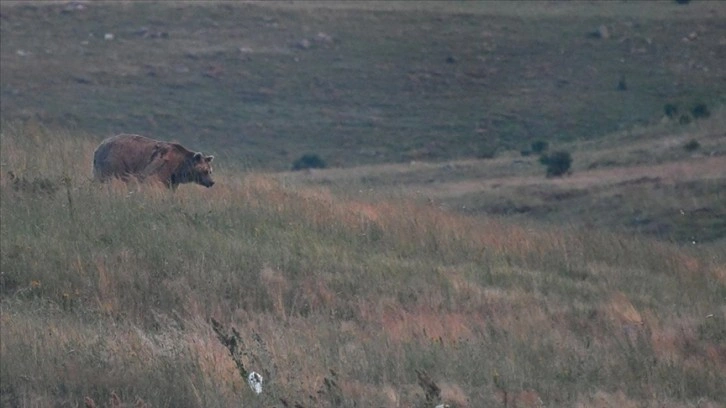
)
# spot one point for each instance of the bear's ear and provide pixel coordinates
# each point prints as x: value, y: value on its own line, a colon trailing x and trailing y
x: 209, y: 159
x: 198, y: 156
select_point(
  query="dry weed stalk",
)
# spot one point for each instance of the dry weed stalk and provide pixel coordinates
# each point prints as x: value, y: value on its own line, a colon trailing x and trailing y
x: 432, y: 391
x: 233, y: 342
x: 331, y: 390
x: 240, y: 355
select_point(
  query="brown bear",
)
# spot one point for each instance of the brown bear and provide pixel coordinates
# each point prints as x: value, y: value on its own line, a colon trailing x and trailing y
x: 124, y: 156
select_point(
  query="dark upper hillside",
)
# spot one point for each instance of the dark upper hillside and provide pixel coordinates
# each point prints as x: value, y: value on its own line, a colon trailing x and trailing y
x: 260, y: 86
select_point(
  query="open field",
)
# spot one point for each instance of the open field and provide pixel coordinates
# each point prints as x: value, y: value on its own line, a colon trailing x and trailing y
x: 441, y: 84
x: 432, y: 254
x: 640, y: 180
x: 360, y: 82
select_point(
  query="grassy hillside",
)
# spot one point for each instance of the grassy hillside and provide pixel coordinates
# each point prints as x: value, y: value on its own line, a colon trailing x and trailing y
x: 432, y: 263
x: 666, y: 181
x: 109, y: 290
x: 259, y: 84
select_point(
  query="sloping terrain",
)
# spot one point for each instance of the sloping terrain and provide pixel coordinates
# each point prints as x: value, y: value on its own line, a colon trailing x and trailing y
x: 645, y: 181
x: 432, y: 262
x: 108, y: 294
x: 357, y: 84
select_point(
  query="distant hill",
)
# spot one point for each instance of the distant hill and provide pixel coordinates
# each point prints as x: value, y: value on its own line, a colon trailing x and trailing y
x: 358, y: 82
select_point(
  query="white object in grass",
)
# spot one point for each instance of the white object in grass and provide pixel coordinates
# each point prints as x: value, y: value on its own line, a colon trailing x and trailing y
x: 255, y: 382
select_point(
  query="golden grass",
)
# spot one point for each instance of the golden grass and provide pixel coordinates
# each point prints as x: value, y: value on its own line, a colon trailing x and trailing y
x: 116, y: 297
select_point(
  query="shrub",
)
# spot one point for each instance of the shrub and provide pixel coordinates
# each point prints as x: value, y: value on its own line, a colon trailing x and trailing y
x: 692, y: 145
x: 622, y: 85
x: 671, y: 110
x: 539, y: 146
x: 700, y: 110
x: 309, y: 161
x: 487, y: 152
x: 558, y: 163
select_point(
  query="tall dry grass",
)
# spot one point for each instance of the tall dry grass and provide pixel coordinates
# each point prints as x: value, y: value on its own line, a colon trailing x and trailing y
x: 110, y: 288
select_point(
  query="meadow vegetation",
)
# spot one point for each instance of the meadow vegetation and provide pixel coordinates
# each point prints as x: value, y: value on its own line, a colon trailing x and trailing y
x: 110, y: 288
x: 648, y: 180
x: 358, y: 82
x: 420, y: 258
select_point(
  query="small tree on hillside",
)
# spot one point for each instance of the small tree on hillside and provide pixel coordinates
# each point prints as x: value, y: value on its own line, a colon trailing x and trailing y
x: 309, y: 161
x: 558, y: 163
x: 670, y: 110
x: 692, y: 145
x: 539, y: 146
x: 700, y: 110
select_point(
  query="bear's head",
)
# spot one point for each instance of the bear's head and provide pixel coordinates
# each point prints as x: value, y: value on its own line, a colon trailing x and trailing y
x: 197, y: 169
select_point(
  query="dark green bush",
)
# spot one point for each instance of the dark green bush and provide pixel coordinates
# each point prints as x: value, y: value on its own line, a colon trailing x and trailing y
x: 539, y: 146
x: 309, y: 161
x: 622, y: 85
x: 692, y: 145
x: 558, y: 163
x: 700, y: 110
x: 671, y: 110
x: 487, y: 152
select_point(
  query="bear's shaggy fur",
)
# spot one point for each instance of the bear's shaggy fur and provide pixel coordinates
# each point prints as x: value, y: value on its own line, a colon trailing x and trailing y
x: 125, y: 156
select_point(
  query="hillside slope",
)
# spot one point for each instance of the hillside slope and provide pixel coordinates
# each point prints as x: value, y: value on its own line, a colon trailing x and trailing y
x: 432, y: 262
x: 666, y: 181
x: 368, y: 82
x: 109, y: 291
